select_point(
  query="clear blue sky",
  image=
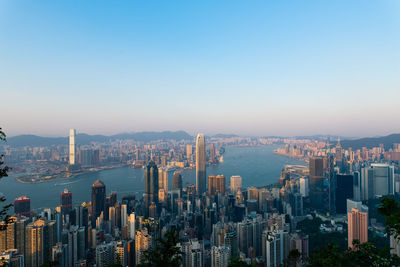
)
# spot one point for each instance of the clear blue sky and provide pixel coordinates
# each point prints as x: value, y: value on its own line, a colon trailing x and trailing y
x: 246, y: 67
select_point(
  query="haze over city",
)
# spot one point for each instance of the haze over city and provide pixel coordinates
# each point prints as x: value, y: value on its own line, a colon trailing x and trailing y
x: 249, y: 68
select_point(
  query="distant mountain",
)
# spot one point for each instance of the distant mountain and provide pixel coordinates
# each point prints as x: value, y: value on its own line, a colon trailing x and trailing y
x: 370, y: 142
x: 151, y: 136
x: 224, y: 135
x: 34, y: 140
x: 84, y: 139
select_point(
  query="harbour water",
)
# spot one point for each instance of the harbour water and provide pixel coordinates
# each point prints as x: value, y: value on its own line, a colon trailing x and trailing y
x: 258, y: 166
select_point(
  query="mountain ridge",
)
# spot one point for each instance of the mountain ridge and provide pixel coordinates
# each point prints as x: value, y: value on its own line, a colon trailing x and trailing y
x: 84, y: 139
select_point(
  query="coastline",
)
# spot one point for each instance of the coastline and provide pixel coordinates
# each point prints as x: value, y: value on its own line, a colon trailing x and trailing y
x: 36, y: 179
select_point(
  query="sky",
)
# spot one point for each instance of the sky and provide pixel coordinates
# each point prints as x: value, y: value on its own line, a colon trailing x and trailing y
x: 253, y: 67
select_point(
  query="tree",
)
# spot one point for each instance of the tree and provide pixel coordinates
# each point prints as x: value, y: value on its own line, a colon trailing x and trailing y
x: 238, y: 262
x: 293, y: 259
x: 391, y: 210
x: 165, y: 253
x: 5, y: 219
x: 365, y: 254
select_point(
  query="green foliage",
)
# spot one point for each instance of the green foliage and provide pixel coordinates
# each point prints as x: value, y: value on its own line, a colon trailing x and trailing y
x: 365, y: 254
x: 238, y: 262
x: 317, y: 239
x: 4, y: 217
x: 116, y: 264
x: 293, y: 258
x: 165, y: 252
x: 50, y: 264
x: 391, y: 210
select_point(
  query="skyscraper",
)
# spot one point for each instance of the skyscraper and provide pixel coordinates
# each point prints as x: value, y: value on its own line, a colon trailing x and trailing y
x: 177, y: 181
x: 66, y: 201
x: 377, y: 180
x: 142, y: 242
x: 344, y: 191
x: 163, y: 179
x: 98, y: 198
x: 220, y: 256
x: 7, y: 235
x: 216, y: 184
x: 35, y: 244
x: 151, y: 185
x: 22, y: 206
x: 189, y: 149
x: 318, y: 197
x: 131, y: 224
x: 236, y: 183
x: 357, y: 226
x: 72, y: 146
x: 316, y: 168
x: 124, y: 215
x: 200, y: 164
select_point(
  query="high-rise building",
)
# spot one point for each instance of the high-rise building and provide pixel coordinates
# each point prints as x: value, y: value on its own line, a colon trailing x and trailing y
x: 200, y: 164
x: 216, y: 184
x: 121, y: 253
x: 98, y: 198
x: 236, y: 183
x: 304, y: 186
x: 124, y: 215
x: 7, y: 236
x: 330, y: 177
x: 277, y: 246
x: 316, y: 170
x: 357, y: 226
x: 20, y: 233
x: 339, y: 155
x: 231, y: 240
x: 252, y: 193
x: 151, y: 186
x: 132, y: 225
x: 72, y: 147
x: 384, y: 182
x: 66, y: 201
x: 105, y: 254
x: 142, y: 242
x: 177, y: 181
x: 163, y: 179
x: 357, y: 186
x: 344, y: 191
x: 35, y: 244
x: 319, y: 198
x: 377, y: 180
x: 193, y: 253
x: 86, y: 157
x: 220, y: 256
x: 22, y: 206
x: 189, y: 150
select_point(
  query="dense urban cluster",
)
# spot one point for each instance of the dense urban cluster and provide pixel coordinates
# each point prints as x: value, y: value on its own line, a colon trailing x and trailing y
x: 215, y: 222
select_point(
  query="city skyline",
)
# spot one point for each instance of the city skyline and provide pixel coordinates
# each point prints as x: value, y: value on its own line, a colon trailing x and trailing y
x: 255, y: 68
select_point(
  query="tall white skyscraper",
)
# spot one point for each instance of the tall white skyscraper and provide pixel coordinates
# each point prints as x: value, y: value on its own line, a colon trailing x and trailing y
x: 72, y: 146
x: 131, y: 224
x: 236, y: 183
x: 124, y: 210
x: 304, y: 186
x: 200, y: 164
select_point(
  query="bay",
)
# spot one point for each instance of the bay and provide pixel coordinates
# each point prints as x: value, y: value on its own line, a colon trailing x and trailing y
x: 258, y: 166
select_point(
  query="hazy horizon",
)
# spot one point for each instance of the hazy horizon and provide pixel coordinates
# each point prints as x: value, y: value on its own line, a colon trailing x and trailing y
x: 193, y: 134
x: 249, y: 68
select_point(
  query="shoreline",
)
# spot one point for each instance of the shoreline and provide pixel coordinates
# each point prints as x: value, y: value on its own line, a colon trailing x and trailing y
x: 63, y: 175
